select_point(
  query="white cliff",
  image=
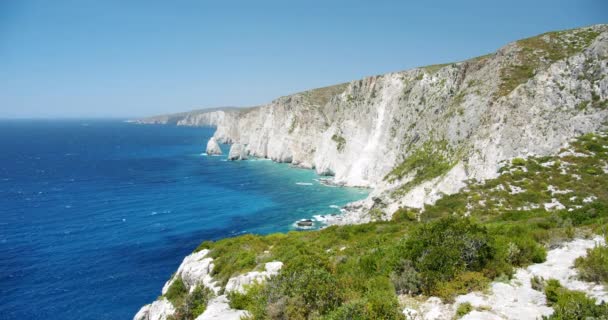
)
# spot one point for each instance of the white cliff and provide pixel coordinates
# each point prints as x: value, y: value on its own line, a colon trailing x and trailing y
x: 213, y: 148
x: 475, y: 113
x: 469, y: 116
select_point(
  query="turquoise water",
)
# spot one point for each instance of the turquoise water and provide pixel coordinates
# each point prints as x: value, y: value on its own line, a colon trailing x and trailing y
x: 97, y: 215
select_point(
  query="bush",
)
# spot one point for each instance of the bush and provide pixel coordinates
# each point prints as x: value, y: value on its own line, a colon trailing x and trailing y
x: 574, y: 305
x: 405, y: 278
x: 405, y: 214
x: 442, y: 249
x: 376, y: 306
x: 239, y: 301
x: 594, y: 266
x: 552, y: 291
x: 176, y: 292
x: 518, y: 162
x: 464, y: 283
x: 300, y: 291
x: 463, y: 309
x: 194, y: 304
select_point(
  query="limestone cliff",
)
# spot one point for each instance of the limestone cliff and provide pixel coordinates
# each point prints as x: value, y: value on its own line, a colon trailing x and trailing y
x: 461, y: 119
x: 418, y: 134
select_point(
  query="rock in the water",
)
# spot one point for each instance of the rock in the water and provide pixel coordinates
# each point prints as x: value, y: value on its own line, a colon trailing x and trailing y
x: 304, y: 223
x: 237, y: 152
x: 213, y: 147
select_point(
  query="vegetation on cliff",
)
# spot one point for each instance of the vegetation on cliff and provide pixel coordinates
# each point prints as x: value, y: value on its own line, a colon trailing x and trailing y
x: 455, y: 246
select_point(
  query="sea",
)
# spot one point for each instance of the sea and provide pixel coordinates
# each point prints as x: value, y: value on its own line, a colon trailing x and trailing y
x: 95, y: 215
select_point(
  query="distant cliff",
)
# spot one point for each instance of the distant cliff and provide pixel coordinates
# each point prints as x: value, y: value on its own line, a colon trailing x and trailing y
x: 200, y: 117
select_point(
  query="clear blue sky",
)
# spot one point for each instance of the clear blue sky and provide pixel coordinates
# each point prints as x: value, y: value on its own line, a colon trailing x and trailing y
x: 121, y: 58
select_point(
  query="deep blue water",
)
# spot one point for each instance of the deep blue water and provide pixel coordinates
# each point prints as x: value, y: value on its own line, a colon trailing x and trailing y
x: 96, y: 215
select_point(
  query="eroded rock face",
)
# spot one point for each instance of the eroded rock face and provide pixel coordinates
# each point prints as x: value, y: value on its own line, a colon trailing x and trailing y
x: 467, y: 111
x: 213, y: 148
x: 237, y: 152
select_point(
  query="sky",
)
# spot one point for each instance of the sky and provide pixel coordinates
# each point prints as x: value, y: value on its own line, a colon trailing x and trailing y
x: 119, y: 58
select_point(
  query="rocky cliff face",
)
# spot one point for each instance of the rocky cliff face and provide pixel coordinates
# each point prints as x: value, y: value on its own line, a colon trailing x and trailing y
x: 417, y: 134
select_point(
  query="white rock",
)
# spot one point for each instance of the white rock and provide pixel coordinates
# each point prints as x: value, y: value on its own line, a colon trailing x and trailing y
x: 157, y: 310
x: 237, y: 152
x: 213, y: 148
x: 218, y: 309
x: 239, y: 282
x: 194, y: 270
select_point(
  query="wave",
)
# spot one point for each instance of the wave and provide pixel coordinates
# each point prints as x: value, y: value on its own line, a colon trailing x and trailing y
x: 304, y: 183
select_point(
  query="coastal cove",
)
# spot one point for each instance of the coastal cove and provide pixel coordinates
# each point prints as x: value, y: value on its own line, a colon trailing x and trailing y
x: 100, y: 212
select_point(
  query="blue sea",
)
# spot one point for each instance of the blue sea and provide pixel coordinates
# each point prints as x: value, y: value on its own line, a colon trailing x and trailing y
x: 95, y: 215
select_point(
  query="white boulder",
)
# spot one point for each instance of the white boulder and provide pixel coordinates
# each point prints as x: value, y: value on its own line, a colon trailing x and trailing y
x: 239, y: 282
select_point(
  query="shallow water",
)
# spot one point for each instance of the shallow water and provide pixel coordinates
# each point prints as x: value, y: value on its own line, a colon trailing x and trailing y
x: 95, y: 215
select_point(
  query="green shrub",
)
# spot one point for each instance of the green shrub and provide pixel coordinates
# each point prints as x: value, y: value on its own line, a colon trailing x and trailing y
x: 297, y: 292
x: 552, y: 290
x: 194, y: 304
x: 463, y: 309
x: 594, y: 266
x: 405, y: 279
x: 377, y: 306
x: 239, y: 301
x: 442, y: 249
x: 463, y: 283
x: 405, y: 214
x: 519, y: 162
x: 574, y: 305
x: 177, y: 291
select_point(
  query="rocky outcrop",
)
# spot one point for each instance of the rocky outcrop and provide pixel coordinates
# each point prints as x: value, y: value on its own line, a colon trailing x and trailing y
x: 237, y: 152
x: 196, y: 270
x: 239, y: 283
x: 213, y: 148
